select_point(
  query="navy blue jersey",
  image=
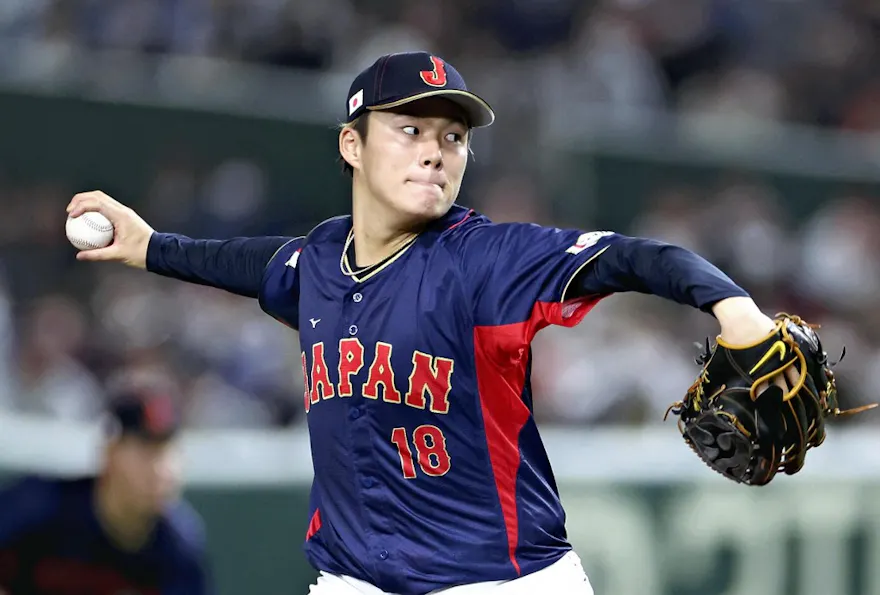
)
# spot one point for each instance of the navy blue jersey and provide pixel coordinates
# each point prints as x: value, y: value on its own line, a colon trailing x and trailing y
x: 428, y: 467
x: 51, y: 543
x: 429, y: 470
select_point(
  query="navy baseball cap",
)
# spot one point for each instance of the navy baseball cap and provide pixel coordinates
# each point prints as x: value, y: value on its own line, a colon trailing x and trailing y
x: 396, y: 79
x: 145, y: 413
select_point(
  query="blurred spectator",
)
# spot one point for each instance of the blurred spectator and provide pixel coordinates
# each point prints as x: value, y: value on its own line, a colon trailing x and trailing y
x: 750, y: 234
x: 420, y: 26
x: 607, y: 64
x: 49, y: 379
x: 840, y: 255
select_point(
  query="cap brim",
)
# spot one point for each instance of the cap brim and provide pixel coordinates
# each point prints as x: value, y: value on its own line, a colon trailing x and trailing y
x: 478, y: 112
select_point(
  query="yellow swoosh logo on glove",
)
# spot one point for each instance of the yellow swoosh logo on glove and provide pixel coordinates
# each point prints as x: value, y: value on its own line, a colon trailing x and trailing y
x: 777, y: 347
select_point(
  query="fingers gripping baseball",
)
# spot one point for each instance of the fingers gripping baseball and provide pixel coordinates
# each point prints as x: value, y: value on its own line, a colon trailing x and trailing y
x: 131, y: 234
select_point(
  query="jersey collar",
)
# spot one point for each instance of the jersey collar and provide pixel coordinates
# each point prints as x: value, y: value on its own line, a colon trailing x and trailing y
x: 363, y: 273
x: 456, y: 215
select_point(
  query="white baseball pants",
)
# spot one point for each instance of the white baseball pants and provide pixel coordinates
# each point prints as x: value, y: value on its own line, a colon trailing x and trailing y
x: 566, y: 576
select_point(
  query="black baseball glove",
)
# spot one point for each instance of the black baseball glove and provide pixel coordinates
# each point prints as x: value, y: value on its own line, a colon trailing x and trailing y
x: 747, y: 435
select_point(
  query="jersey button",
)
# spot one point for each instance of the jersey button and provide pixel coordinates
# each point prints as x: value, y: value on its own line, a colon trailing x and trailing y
x: 383, y: 554
x: 367, y: 482
x: 354, y: 413
x: 353, y: 330
x: 357, y: 298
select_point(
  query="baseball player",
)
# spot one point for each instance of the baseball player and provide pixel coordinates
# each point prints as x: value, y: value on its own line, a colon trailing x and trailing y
x: 122, y: 531
x: 415, y: 318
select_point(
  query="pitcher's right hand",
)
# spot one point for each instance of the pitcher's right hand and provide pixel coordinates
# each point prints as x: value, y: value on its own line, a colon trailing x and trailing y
x: 131, y: 235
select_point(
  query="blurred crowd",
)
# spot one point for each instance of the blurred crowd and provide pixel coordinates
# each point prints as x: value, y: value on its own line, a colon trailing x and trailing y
x: 810, y: 61
x: 68, y: 329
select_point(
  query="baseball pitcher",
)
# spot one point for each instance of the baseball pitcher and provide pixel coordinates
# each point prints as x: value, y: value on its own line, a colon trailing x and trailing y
x: 416, y: 316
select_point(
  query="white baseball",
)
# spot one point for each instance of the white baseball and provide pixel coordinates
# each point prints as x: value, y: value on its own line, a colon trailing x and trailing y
x: 89, y: 231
